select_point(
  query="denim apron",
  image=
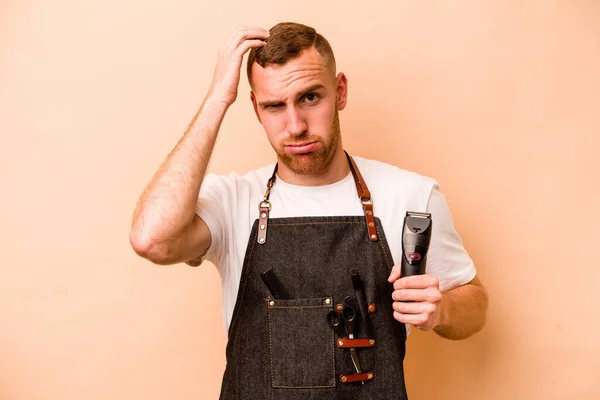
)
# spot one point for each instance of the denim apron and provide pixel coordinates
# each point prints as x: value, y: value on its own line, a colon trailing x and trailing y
x: 285, y: 348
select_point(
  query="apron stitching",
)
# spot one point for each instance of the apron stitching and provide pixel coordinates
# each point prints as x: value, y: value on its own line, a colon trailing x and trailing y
x: 314, y: 223
x: 333, y: 355
x: 325, y: 306
x: 382, y: 247
x: 271, y: 349
x: 388, y: 263
x: 243, y: 284
x: 303, y: 387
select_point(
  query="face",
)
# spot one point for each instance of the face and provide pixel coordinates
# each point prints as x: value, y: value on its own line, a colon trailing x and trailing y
x: 297, y: 104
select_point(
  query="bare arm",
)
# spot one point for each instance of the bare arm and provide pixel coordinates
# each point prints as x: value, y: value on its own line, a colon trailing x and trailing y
x: 165, y: 228
x: 462, y: 311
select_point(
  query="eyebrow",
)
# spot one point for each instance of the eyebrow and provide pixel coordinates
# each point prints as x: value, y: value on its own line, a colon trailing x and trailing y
x: 302, y: 93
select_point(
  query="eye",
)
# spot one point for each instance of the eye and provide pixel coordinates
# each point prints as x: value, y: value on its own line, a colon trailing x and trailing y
x: 311, y: 97
x: 273, y: 107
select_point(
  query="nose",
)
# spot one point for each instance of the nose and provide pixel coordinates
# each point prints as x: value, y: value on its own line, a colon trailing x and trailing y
x: 296, y: 122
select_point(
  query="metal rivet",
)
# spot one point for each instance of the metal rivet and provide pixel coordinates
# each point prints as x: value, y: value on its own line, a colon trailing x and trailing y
x: 373, y: 237
x: 343, y: 378
x: 340, y: 343
x: 371, y: 342
x: 327, y: 301
x: 369, y: 376
x: 263, y: 215
x: 271, y: 303
x: 262, y: 227
x: 371, y: 224
x: 368, y: 212
x: 339, y: 308
x: 261, y: 240
x: 371, y: 308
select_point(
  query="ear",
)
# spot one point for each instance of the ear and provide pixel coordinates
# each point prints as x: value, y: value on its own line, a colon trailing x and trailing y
x: 342, y: 90
x: 253, y: 98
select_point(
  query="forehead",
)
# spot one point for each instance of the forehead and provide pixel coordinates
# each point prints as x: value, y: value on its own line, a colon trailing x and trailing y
x: 309, y: 69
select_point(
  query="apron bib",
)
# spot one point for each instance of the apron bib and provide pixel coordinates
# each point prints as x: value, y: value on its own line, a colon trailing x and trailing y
x: 285, y: 349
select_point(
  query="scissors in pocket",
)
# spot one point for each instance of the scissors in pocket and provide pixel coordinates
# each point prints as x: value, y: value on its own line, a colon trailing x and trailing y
x: 348, y: 318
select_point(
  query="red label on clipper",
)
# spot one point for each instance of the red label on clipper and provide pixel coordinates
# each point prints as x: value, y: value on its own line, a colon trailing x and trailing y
x: 414, y: 256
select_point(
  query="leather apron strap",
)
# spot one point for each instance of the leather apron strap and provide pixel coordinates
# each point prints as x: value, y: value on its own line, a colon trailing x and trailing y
x: 361, y: 189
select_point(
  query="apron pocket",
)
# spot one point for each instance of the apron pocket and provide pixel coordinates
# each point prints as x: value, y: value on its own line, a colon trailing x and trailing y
x: 301, y: 343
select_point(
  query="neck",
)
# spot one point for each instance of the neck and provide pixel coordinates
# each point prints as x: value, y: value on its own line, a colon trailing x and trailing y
x: 335, y: 171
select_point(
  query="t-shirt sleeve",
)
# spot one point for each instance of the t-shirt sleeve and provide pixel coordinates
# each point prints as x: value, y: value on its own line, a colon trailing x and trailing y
x: 213, y: 203
x: 447, y: 258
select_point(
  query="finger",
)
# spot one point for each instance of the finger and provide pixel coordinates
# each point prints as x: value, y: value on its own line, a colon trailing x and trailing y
x: 249, y: 33
x: 241, y: 29
x: 416, y: 282
x: 430, y: 296
x: 413, y: 308
x: 412, y: 319
x: 241, y: 34
x: 248, y: 44
x: 395, y: 274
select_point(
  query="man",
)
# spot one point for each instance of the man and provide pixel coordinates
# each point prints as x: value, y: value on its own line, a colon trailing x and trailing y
x: 313, y: 219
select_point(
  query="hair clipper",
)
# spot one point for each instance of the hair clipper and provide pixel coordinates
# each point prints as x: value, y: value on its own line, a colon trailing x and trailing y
x: 416, y: 236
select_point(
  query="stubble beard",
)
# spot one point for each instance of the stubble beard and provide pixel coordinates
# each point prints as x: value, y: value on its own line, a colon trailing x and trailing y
x: 316, y: 161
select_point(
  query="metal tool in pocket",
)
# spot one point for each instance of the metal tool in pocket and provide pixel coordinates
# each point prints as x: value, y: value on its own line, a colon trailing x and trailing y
x: 349, y: 323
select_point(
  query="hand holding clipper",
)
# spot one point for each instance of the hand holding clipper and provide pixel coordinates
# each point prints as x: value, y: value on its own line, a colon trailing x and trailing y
x: 416, y: 236
x: 415, y: 291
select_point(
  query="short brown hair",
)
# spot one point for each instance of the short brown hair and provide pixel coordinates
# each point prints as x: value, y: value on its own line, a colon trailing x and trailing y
x: 287, y: 41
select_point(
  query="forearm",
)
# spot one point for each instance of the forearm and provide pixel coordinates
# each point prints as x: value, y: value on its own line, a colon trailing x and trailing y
x: 168, y: 203
x: 462, y: 311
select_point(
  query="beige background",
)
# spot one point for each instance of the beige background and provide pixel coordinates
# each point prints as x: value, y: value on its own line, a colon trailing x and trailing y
x: 499, y: 100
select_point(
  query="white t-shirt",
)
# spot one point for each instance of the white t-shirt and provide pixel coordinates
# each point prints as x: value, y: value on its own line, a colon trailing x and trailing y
x: 229, y: 206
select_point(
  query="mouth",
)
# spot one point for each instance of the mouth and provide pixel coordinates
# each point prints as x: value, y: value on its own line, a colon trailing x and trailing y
x: 300, y: 148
